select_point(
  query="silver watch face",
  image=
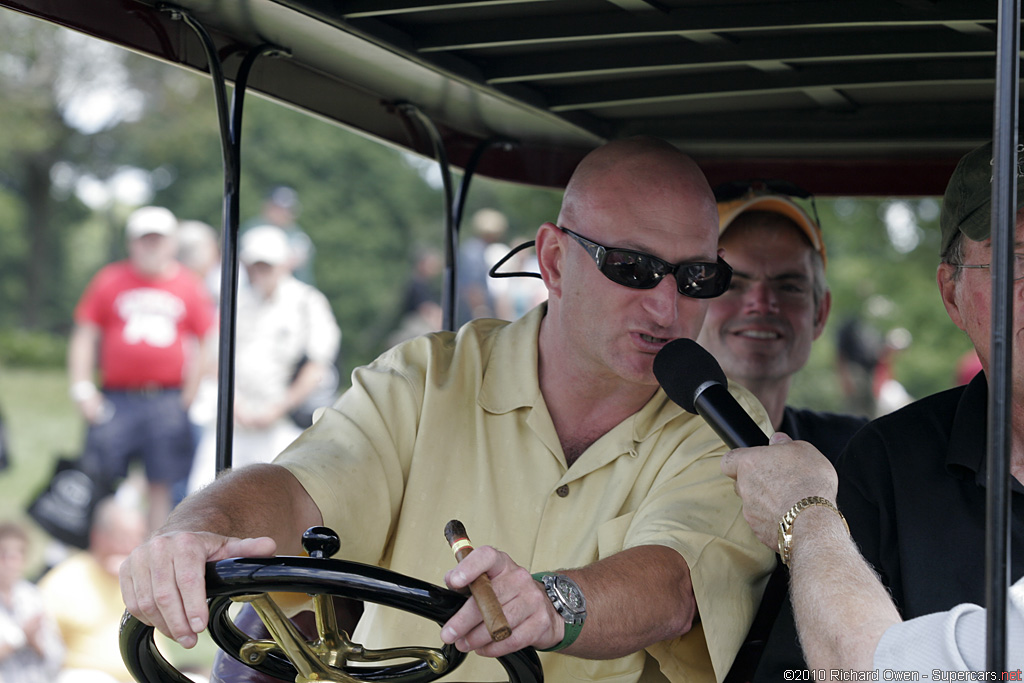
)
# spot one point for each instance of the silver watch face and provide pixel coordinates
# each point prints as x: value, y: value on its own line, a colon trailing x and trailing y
x: 569, y: 593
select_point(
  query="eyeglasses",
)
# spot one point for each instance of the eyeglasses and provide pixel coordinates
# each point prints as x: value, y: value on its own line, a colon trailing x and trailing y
x: 1018, y: 266
x: 737, y: 189
x: 638, y: 270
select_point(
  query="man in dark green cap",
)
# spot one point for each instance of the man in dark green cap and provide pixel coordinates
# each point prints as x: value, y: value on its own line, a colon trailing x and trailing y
x: 912, y: 484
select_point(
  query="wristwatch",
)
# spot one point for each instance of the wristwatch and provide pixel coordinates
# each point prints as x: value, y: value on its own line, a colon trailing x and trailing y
x: 569, y: 602
x: 786, y: 524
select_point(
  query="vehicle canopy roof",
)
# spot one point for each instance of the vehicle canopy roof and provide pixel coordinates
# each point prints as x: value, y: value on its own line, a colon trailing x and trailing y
x: 874, y: 97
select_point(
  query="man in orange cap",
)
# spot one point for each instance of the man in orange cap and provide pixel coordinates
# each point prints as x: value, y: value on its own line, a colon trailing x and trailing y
x: 761, y: 331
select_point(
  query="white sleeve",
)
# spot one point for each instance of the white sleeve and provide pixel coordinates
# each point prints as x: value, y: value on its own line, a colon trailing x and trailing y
x: 11, y: 633
x: 324, y: 336
x: 951, y: 641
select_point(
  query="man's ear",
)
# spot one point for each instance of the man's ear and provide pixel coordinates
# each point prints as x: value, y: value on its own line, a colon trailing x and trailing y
x: 550, y: 250
x: 821, y: 315
x: 945, y: 276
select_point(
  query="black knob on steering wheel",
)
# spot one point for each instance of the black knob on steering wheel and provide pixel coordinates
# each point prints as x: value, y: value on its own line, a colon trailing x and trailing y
x: 320, y: 542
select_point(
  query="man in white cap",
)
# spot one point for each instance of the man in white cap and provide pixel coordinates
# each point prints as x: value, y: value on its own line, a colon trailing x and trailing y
x: 761, y: 332
x: 139, y: 328
x: 286, y: 344
x: 281, y: 208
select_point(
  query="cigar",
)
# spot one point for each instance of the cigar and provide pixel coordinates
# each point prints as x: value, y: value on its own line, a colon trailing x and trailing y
x: 481, y: 588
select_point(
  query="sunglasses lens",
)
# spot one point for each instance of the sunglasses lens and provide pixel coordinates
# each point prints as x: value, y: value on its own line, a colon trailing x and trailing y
x: 641, y: 271
x: 632, y: 269
x: 704, y: 280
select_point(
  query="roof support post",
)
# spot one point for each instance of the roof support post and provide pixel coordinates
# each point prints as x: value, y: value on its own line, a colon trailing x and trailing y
x: 1004, y: 202
x: 230, y: 120
x: 451, y: 227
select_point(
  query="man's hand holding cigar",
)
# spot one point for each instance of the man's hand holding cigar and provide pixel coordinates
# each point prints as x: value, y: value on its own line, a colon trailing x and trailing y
x: 526, y: 606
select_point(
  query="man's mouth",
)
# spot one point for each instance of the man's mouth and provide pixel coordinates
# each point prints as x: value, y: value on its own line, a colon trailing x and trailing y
x: 653, y: 340
x: 759, y: 334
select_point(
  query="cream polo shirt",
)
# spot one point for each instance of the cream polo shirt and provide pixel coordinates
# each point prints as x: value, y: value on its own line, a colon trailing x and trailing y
x: 455, y: 427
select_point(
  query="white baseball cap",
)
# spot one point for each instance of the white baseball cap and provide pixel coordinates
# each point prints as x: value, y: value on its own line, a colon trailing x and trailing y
x: 264, y: 244
x: 151, y: 220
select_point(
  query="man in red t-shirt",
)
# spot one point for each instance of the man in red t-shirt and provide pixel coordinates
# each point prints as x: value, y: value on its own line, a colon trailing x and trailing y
x: 143, y: 320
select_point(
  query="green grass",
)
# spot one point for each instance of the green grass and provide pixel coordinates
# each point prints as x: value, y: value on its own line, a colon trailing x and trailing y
x: 42, y: 424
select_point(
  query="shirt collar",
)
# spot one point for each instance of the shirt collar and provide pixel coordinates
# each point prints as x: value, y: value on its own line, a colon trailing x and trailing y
x: 968, y: 444
x: 966, y: 453
x: 510, y: 378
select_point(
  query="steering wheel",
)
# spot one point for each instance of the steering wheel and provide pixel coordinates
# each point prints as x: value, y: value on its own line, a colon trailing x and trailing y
x: 288, y: 655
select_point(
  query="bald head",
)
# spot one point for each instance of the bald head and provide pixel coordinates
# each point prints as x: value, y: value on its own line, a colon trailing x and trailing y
x: 116, y: 530
x: 640, y: 169
x: 641, y: 195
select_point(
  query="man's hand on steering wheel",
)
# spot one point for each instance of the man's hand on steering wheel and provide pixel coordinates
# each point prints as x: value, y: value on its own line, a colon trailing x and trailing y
x: 163, y: 581
x: 529, y: 612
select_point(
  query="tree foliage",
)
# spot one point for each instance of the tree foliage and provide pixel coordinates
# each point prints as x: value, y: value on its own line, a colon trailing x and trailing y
x: 365, y: 205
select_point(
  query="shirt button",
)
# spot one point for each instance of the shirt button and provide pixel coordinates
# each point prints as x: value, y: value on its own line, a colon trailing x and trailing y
x: 562, y: 490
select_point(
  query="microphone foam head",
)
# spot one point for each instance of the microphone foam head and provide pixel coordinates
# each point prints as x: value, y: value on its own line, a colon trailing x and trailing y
x: 682, y: 367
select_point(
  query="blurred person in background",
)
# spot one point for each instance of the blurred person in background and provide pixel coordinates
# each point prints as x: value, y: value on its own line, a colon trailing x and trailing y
x: 281, y: 208
x: 141, y: 327
x: 475, y: 298
x: 82, y: 594
x: 31, y: 650
x: 420, y: 310
x: 199, y: 251
x: 858, y: 350
x: 287, y: 341
x: 515, y: 296
x: 889, y: 393
x: 967, y: 367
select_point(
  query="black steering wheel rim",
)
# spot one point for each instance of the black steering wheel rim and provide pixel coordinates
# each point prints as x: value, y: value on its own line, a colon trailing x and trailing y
x: 245, y: 576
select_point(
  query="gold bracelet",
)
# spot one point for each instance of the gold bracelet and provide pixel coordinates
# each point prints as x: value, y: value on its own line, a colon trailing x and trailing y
x: 786, y: 525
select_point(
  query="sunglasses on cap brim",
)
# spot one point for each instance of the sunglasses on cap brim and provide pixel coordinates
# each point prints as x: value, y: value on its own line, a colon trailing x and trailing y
x: 742, y: 189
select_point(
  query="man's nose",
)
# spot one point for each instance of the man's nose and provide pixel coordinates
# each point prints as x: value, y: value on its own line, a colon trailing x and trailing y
x: 760, y: 298
x: 661, y: 301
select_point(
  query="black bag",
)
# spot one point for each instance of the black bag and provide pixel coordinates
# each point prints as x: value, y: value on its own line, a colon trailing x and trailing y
x: 325, y: 393
x: 64, y: 508
x: 5, y: 453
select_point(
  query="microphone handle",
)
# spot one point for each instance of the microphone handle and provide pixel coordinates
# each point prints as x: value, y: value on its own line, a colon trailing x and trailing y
x: 726, y: 416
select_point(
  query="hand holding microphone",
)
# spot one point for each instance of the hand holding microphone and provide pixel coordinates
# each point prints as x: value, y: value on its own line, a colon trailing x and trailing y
x: 768, y: 482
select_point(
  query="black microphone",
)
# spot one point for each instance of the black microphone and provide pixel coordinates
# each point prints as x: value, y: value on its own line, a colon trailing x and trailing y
x: 693, y: 378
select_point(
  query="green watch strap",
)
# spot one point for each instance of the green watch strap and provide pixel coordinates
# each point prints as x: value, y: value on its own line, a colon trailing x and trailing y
x: 572, y: 631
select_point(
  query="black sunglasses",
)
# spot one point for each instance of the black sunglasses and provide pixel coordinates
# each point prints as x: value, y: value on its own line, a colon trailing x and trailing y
x: 637, y: 270
x: 737, y: 189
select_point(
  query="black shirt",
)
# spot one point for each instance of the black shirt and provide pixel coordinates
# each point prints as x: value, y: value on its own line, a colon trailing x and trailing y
x: 829, y: 433
x: 912, y: 487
